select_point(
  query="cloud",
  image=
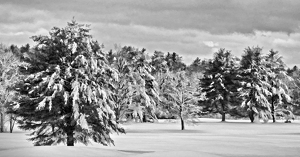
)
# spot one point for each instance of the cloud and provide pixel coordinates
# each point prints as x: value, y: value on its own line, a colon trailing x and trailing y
x: 210, y: 44
x: 186, y: 41
x: 216, y: 17
x: 191, y: 28
x: 278, y: 42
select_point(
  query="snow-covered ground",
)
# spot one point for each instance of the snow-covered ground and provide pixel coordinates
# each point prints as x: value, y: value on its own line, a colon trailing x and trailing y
x: 208, y: 138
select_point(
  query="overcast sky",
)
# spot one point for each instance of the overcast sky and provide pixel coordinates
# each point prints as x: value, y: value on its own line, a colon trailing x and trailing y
x: 191, y: 28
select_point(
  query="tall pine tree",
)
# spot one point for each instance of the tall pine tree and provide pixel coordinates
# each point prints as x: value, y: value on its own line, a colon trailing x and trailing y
x: 67, y: 97
x: 255, y: 84
x: 218, y: 82
x: 135, y: 90
x: 280, y: 83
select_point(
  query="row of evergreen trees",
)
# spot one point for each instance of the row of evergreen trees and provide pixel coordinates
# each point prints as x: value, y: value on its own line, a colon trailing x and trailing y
x: 66, y: 89
x: 255, y: 85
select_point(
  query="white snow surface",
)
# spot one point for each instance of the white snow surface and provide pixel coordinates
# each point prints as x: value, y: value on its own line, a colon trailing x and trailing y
x: 207, y: 138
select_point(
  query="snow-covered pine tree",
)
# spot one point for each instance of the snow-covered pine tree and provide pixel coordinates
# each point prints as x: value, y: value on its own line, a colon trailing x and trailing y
x: 68, y: 99
x: 180, y: 96
x: 280, y: 81
x: 255, y: 84
x: 295, y: 89
x: 197, y: 66
x: 123, y: 88
x: 164, y: 107
x: 10, y: 74
x: 135, y: 90
x: 218, y: 82
x: 158, y: 63
x: 174, y: 62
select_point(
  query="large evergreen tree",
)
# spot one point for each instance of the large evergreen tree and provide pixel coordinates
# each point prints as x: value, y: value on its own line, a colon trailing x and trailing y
x: 255, y: 83
x: 135, y: 89
x: 67, y: 96
x: 280, y: 82
x: 218, y: 82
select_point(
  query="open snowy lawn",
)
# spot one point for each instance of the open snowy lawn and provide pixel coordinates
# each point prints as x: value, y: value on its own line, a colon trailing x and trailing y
x: 209, y: 138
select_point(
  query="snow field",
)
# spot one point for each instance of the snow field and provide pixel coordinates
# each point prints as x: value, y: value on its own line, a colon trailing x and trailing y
x: 208, y: 138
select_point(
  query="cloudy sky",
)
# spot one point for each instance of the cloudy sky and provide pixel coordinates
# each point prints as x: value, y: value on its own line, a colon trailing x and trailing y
x: 192, y: 28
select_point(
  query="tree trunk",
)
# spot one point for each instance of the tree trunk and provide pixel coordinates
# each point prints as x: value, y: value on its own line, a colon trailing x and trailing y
x: 117, y: 115
x: 273, y: 117
x: 181, y: 118
x: 223, y: 113
x: 11, y: 123
x: 223, y: 116
x: 273, y: 107
x: 70, y: 131
x: 144, y: 117
x: 273, y: 111
x: 1, y: 121
x: 182, y: 123
x: 70, y: 138
x: 53, y: 127
x: 251, y: 116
